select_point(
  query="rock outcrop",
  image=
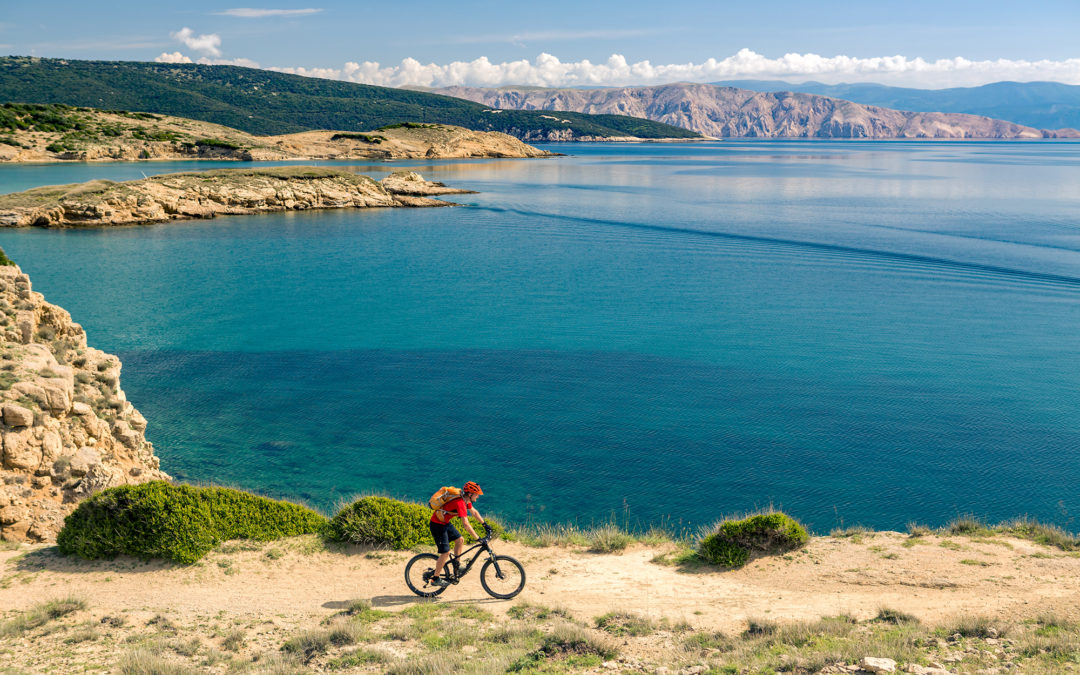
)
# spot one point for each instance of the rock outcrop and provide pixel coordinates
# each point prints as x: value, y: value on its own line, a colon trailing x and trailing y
x: 728, y: 112
x: 67, y: 429
x: 207, y: 194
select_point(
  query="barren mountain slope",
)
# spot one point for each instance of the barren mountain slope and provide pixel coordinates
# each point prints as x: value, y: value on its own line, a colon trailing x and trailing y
x: 729, y: 112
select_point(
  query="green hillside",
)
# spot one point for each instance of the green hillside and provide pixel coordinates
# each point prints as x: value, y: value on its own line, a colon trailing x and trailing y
x: 264, y: 102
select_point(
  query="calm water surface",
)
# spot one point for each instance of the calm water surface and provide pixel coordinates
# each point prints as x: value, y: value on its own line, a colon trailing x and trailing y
x: 870, y: 333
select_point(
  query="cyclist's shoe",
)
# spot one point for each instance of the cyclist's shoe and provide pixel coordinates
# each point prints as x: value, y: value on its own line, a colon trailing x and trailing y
x: 439, y: 581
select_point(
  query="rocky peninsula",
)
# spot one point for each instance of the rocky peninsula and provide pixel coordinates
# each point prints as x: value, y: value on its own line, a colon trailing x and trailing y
x: 52, y: 133
x: 67, y: 428
x: 206, y: 194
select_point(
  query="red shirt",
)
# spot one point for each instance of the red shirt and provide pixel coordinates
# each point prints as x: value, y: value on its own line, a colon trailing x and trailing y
x: 456, y: 508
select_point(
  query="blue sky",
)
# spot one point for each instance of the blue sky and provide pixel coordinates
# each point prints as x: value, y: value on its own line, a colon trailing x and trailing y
x: 558, y: 42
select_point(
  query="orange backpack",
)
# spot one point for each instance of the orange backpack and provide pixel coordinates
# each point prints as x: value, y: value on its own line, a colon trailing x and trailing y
x: 444, y: 495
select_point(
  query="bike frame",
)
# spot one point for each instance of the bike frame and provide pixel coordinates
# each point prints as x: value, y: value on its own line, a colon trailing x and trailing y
x: 484, y: 546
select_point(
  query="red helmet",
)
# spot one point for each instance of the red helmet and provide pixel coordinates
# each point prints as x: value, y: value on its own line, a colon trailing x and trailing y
x: 473, y: 488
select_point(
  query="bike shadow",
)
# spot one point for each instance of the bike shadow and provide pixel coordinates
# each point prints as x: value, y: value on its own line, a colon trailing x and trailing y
x: 401, y: 600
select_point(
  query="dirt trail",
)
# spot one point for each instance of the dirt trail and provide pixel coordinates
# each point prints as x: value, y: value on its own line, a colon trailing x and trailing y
x: 935, y: 579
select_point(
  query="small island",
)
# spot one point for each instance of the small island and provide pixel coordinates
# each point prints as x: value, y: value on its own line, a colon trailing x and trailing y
x: 206, y: 194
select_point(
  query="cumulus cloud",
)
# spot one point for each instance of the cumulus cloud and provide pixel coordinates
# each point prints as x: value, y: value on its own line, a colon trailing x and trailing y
x: 207, y: 44
x: 174, y: 57
x: 251, y: 13
x: 548, y: 71
x: 247, y: 63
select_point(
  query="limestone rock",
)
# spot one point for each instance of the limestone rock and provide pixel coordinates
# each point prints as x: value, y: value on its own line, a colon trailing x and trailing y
x: 875, y: 664
x: 204, y: 194
x: 17, y: 416
x: 63, y: 435
x: 19, y: 451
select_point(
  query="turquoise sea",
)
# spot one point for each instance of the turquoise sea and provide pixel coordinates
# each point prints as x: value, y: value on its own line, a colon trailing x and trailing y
x: 856, y: 332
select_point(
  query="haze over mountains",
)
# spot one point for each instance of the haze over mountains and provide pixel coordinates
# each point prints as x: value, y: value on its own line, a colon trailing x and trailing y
x: 1044, y: 105
x: 731, y: 112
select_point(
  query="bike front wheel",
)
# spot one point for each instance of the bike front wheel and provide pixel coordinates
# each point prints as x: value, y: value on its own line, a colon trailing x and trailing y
x: 502, y: 577
x: 418, y: 571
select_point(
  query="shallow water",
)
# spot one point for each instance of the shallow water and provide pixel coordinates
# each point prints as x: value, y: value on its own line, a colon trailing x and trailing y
x: 870, y: 333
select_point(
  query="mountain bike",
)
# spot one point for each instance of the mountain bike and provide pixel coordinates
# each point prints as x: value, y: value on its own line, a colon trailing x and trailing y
x: 501, y: 576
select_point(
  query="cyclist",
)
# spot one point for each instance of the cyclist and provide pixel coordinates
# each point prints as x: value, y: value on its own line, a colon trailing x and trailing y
x: 444, y: 532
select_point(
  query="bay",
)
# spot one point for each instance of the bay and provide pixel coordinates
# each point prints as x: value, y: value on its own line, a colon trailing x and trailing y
x: 857, y: 332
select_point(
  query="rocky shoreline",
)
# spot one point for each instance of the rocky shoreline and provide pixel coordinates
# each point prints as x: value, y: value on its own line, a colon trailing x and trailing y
x: 207, y: 194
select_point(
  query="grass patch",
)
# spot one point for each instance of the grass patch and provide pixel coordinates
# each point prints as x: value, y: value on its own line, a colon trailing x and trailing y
x: 609, y: 539
x: 567, y: 643
x: 625, y: 623
x: 356, y: 659
x: 734, y: 541
x: 527, y: 611
x: 895, y: 616
x: 41, y: 614
x: 142, y: 661
x: 312, y: 643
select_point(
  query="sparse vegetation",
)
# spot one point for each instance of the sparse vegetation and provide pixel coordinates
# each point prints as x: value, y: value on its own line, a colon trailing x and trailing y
x: 373, y: 139
x: 41, y: 614
x: 625, y: 623
x: 734, y: 541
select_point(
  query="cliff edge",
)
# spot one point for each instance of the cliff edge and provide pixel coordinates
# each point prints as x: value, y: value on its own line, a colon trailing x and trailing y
x: 67, y: 429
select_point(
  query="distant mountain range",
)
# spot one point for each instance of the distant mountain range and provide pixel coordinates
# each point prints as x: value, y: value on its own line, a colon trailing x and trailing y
x: 1044, y: 105
x: 263, y: 102
x: 732, y: 112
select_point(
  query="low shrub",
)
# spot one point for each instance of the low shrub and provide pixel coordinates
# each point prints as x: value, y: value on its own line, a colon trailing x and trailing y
x: 4, y: 260
x: 177, y: 522
x: 216, y: 143
x: 735, y: 540
x: 381, y: 521
x: 40, y: 614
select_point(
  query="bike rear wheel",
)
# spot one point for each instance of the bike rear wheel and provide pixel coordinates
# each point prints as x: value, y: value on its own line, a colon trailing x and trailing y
x: 502, y: 577
x: 418, y: 570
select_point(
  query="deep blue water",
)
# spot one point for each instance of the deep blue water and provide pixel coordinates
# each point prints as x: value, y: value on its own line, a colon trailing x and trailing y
x: 870, y: 333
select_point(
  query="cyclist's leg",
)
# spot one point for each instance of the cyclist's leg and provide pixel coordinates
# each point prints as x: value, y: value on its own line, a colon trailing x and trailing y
x: 459, y: 544
x: 439, y: 533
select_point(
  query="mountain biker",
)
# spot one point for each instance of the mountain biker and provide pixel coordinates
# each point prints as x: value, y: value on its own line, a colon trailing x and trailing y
x: 444, y: 532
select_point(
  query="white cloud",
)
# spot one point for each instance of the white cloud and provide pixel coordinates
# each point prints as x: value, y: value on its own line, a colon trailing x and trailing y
x: 207, y: 44
x: 548, y: 71
x: 174, y: 57
x: 250, y: 13
x: 247, y: 63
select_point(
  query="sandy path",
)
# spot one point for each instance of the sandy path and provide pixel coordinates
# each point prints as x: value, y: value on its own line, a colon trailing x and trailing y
x: 936, y: 579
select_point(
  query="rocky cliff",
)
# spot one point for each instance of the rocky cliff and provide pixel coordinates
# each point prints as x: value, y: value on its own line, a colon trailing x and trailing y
x: 206, y: 194
x: 728, y: 112
x: 67, y: 429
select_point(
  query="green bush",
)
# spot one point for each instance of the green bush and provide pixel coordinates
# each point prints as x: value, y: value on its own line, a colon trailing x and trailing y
x: 735, y: 540
x: 4, y: 260
x: 381, y: 521
x: 177, y: 522
x: 216, y: 143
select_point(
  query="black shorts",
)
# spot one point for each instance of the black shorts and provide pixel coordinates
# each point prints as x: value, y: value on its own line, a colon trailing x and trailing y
x: 444, y: 534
